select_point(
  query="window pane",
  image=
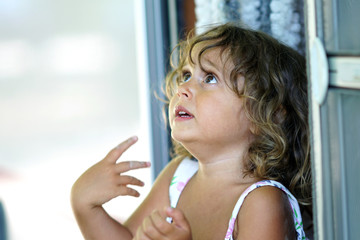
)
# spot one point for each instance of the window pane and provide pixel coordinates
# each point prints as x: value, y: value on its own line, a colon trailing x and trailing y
x: 341, y: 26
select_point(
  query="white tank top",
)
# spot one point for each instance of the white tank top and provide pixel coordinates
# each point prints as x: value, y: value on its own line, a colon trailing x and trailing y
x: 186, y: 170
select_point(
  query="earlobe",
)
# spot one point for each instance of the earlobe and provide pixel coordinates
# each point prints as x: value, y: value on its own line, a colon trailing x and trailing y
x: 253, y: 128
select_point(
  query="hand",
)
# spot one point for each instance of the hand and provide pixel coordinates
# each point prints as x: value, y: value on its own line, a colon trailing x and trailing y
x: 105, y: 180
x: 155, y: 226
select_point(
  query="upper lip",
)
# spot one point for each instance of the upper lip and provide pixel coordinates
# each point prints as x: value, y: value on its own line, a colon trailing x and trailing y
x: 180, y: 110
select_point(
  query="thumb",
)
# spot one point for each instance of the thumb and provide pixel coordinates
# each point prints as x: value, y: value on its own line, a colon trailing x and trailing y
x: 178, y: 217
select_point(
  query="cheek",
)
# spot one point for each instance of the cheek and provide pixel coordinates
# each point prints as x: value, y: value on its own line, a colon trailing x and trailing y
x: 216, y: 116
x: 171, y: 111
x: 235, y: 120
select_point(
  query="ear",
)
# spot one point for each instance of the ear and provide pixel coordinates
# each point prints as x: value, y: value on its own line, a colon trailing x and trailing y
x: 253, y: 128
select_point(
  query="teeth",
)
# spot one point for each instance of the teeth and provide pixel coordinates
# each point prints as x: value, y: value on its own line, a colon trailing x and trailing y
x: 182, y: 113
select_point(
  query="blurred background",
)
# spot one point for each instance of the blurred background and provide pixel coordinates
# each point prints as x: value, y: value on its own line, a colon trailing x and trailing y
x: 70, y: 90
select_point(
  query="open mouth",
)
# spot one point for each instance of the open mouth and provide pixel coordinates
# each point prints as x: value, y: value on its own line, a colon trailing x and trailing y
x: 182, y: 113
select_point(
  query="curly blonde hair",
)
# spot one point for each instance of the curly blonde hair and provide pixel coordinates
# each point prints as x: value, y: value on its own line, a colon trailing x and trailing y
x: 275, y: 100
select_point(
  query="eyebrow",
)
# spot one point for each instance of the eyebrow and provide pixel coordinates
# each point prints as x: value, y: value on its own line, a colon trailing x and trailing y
x: 205, y: 59
x: 212, y: 64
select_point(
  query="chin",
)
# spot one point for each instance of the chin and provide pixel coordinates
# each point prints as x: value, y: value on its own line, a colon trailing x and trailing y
x: 177, y: 138
x: 181, y: 137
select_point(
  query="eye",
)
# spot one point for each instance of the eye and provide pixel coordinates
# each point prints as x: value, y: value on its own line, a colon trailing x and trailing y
x: 210, y: 78
x: 185, y: 77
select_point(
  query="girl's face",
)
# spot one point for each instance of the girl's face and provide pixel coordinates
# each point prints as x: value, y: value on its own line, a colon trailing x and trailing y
x: 204, y: 108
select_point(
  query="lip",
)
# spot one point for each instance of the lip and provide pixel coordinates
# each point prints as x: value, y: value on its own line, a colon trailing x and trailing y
x: 182, y: 114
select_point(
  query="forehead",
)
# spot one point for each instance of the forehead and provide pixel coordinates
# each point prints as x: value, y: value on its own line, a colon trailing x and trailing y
x: 203, y: 54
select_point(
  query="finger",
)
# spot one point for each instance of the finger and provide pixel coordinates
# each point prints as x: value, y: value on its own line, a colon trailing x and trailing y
x: 162, y: 213
x: 131, y: 165
x: 129, y: 180
x: 116, y: 152
x: 150, y: 229
x: 140, y: 235
x: 178, y: 218
x: 158, y: 219
x: 123, y: 190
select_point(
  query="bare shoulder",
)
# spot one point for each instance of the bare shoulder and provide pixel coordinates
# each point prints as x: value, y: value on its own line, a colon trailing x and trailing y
x: 266, y: 214
x: 157, y: 198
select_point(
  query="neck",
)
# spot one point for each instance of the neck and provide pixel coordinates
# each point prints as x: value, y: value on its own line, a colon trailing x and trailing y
x: 225, y: 163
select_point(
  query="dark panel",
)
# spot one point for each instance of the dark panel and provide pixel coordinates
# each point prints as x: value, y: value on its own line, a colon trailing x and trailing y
x: 341, y: 163
x: 341, y: 20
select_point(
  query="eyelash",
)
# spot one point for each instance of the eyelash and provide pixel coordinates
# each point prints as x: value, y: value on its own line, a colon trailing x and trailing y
x: 186, y: 75
x: 210, y: 75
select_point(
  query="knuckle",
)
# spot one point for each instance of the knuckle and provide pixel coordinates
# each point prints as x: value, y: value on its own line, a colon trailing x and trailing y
x: 122, y: 166
x: 108, y: 169
x: 113, y: 179
x: 130, y: 164
x: 164, y: 226
x: 123, y: 190
x: 131, y: 179
x: 128, y: 191
x: 125, y: 166
x: 124, y: 180
x: 113, y: 155
x: 150, y: 230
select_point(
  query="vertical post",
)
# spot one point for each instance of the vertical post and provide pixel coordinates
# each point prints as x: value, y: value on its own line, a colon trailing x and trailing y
x: 157, y: 34
x: 315, y: 127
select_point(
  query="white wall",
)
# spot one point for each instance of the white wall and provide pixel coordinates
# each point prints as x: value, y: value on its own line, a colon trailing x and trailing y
x: 69, y: 92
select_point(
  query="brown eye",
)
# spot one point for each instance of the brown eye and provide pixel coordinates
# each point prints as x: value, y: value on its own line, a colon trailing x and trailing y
x: 185, y: 77
x: 210, y: 78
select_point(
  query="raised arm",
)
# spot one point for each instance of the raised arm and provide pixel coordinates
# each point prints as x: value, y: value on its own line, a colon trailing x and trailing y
x: 99, y: 184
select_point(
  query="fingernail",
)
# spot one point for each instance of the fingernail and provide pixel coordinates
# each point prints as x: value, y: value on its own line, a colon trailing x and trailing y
x: 133, y: 138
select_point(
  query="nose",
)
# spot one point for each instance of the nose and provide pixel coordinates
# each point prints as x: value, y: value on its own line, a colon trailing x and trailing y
x: 185, y: 90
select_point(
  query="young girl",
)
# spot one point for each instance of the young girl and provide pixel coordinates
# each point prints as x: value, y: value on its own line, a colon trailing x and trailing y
x: 238, y: 116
